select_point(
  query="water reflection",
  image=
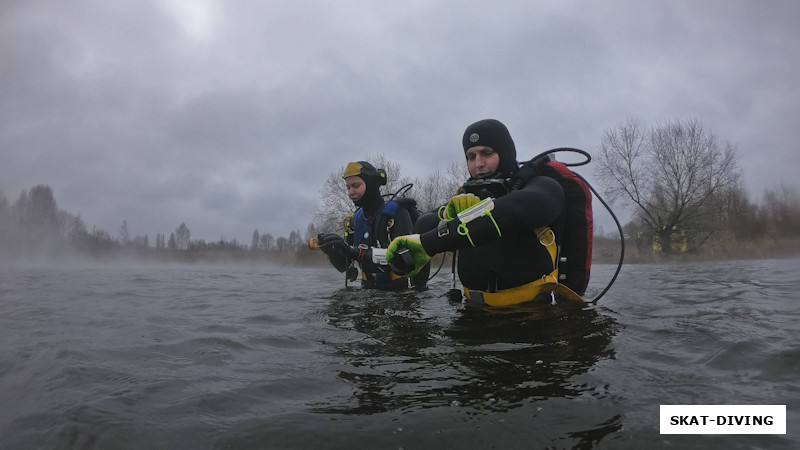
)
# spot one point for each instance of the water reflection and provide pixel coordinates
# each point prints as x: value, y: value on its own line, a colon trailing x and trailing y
x: 530, y: 352
x: 384, y: 345
x: 399, y: 353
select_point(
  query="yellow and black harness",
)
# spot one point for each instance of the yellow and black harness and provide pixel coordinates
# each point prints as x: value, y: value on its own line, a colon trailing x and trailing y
x: 527, y: 292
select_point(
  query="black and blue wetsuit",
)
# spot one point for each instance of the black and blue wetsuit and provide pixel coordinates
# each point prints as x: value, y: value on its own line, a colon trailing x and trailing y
x: 376, y: 227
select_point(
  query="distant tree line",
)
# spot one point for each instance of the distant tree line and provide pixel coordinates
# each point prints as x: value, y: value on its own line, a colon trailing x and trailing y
x: 33, y: 225
x: 684, y: 186
x: 681, y: 182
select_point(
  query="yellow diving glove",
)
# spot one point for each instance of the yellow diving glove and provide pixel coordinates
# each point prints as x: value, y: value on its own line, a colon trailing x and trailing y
x: 406, y: 256
x: 459, y: 203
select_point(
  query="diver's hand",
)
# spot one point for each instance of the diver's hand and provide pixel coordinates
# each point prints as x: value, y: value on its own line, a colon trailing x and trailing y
x: 334, y: 244
x: 459, y: 203
x: 398, y: 252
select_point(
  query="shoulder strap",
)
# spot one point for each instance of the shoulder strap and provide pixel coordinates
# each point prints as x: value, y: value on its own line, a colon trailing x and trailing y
x: 390, y: 208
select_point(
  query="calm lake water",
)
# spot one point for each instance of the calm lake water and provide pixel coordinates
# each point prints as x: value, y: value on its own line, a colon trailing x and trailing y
x: 188, y: 357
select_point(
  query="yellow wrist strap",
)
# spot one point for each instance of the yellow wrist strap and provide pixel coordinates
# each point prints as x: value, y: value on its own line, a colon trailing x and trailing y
x: 440, y: 213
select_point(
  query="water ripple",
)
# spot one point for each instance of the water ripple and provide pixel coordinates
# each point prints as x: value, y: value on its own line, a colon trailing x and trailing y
x: 248, y: 357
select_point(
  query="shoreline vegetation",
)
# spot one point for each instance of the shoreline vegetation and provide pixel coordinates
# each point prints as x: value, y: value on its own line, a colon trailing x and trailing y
x: 606, y: 250
x: 34, y: 231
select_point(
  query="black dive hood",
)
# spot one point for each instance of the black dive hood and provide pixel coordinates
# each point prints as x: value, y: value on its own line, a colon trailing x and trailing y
x: 373, y: 178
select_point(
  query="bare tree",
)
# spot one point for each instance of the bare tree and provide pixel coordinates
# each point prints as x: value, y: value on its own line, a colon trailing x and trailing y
x: 141, y: 241
x: 334, y: 205
x: 37, y: 217
x: 6, y: 222
x: 267, y: 242
x: 124, y: 234
x: 183, y: 237
x: 256, y: 239
x: 295, y: 240
x: 676, y: 176
x: 436, y: 188
x: 76, y: 229
x: 311, y: 231
x: 430, y: 191
x: 394, y: 173
x: 282, y: 244
x: 427, y: 191
x: 172, y: 244
x: 781, y: 209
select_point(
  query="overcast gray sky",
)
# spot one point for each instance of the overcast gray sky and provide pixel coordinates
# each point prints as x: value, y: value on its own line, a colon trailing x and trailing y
x: 230, y: 115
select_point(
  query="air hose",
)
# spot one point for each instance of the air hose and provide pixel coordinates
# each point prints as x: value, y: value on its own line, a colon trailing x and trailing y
x: 608, y: 208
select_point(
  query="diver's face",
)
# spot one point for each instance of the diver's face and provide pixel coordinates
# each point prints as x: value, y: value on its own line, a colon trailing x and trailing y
x: 356, y: 187
x: 482, y: 161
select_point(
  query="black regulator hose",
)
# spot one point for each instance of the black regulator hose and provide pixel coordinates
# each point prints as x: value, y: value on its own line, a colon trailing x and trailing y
x: 608, y: 208
x: 621, y: 241
x: 564, y: 150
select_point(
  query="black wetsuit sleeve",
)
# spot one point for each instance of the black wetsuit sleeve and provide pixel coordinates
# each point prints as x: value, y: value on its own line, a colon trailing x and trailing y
x: 426, y: 222
x: 537, y: 204
x: 338, y: 261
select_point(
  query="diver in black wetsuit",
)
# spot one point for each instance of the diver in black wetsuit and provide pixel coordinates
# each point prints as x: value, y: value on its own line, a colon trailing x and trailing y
x: 507, y: 246
x: 370, y: 230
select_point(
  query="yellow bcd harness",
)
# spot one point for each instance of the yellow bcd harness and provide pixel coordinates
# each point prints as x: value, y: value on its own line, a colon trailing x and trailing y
x: 529, y: 291
x: 372, y: 278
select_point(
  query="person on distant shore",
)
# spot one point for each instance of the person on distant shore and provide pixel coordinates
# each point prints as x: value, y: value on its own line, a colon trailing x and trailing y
x: 507, y: 239
x: 370, y: 230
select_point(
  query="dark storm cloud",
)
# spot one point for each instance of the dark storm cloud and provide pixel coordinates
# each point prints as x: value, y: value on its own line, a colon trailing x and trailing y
x: 230, y: 116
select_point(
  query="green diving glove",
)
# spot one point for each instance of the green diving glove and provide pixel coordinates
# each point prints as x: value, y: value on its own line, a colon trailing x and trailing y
x: 458, y: 204
x: 406, y: 256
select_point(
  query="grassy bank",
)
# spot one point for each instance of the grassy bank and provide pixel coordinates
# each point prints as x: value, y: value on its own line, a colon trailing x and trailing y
x: 606, y: 250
